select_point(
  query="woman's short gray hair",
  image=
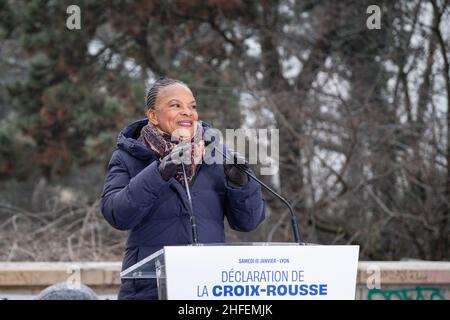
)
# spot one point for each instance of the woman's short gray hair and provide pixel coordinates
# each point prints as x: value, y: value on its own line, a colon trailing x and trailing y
x: 162, y: 82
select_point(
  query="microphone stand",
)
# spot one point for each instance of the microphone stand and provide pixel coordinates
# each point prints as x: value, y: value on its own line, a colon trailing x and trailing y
x: 191, y: 210
x: 294, y: 222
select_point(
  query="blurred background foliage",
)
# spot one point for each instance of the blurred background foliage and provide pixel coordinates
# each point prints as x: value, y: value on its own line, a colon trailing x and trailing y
x: 363, y: 114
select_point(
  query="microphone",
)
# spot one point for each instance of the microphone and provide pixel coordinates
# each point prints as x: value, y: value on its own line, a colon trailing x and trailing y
x: 191, y: 209
x: 294, y: 223
x: 192, y: 219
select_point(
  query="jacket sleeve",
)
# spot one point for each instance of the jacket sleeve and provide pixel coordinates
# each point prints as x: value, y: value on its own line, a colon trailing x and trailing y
x: 245, y: 207
x: 125, y: 201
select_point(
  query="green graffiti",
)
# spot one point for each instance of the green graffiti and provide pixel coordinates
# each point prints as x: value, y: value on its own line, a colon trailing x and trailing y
x: 417, y: 293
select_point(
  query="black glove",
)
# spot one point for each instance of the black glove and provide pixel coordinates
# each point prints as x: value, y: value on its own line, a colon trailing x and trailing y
x: 235, y: 177
x: 169, y: 164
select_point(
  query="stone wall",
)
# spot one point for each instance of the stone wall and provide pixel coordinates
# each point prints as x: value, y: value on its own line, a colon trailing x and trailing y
x: 403, y: 280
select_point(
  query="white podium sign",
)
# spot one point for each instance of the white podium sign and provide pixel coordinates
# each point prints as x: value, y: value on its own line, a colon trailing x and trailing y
x: 261, y: 272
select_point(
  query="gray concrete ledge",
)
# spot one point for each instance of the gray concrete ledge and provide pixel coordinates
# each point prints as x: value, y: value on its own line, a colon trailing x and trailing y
x: 396, y: 279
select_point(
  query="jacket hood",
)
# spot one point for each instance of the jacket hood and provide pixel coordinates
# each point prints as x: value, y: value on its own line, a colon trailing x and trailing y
x: 127, y: 140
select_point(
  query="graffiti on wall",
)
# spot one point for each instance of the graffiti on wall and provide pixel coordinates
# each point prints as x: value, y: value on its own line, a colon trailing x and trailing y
x: 418, y: 293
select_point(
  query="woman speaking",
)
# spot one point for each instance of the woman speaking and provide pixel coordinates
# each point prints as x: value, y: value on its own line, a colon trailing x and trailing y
x: 145, y: 193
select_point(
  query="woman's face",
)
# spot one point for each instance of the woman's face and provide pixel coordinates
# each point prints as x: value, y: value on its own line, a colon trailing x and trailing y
x: 175, y: 109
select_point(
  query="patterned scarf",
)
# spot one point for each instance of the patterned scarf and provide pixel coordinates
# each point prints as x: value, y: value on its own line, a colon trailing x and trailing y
x: 161, y: 143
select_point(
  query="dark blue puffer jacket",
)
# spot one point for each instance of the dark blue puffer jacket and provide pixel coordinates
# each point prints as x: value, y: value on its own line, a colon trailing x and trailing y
x: 136, y: 198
